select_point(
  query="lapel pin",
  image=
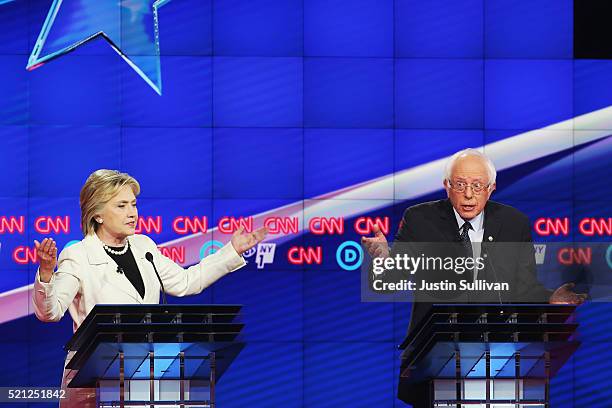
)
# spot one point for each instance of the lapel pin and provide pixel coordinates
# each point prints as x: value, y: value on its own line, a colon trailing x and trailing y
x: 490, y: 238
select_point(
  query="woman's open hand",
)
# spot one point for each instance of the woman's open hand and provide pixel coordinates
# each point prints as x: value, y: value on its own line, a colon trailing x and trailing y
x: 46, y: 252
x: 242, y: 241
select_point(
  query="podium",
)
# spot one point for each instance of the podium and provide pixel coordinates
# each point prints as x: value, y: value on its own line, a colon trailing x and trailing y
x: 486, y: 355
x: 154, y: 355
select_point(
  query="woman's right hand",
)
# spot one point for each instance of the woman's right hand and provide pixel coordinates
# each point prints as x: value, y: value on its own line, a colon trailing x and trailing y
x: 46, y: 251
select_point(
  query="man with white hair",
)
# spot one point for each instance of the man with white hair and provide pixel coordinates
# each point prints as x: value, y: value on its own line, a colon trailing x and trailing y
x: 467, y: 217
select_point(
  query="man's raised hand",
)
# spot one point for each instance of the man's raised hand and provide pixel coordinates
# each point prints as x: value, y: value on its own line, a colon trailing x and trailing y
x: 565, y: 295
x: 377, y: 245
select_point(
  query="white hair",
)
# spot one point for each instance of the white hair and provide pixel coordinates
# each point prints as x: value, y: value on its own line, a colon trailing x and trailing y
x: 471, y: 152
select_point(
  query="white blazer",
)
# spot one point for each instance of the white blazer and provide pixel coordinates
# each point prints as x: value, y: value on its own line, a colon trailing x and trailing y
x: 87, y: 276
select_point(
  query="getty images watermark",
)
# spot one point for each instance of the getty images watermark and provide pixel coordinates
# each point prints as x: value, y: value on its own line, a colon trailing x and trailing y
x: 514, y: 272
x: 404, y: 264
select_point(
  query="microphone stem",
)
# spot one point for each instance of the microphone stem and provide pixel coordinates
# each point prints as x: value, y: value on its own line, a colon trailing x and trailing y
x: 149, y: 258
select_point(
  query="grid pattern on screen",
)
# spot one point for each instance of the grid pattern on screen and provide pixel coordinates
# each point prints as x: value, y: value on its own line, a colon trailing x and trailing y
x: 269, y: 102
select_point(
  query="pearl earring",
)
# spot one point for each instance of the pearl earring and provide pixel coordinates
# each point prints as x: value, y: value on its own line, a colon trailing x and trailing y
x: 100, y: 221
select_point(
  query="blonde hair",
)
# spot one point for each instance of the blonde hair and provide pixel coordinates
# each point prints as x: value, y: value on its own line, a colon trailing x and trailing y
x: 101, y: 186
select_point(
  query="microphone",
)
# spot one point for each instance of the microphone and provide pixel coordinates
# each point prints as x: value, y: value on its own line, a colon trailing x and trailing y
x: 149, y: 257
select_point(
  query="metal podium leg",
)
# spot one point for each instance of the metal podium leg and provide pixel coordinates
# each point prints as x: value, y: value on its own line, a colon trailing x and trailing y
x: 488, y: 382
x: 98, y: 395
x: 517, y: 379
x: 213, y: 369
x: 182, y: 378
x: 459, y: 381
x: 121, y: 380
x: 152, y: 378
x: 547, y: 379
x: 458, y: 376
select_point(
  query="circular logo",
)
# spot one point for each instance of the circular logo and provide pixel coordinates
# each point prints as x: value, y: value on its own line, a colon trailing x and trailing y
x: 210, y: 247
x: 609, y: 256
x: 249, y: 252
x: 349, y: 255
x: 71, y: 243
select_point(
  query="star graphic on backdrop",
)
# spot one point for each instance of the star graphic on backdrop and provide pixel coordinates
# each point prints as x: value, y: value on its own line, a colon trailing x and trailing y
x: 130, y: 26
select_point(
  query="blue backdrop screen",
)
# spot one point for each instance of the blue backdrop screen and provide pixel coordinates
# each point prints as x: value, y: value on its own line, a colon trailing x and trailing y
x: 301, y: 109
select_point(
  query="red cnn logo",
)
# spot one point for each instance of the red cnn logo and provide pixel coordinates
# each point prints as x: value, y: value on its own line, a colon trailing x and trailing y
x: 190, y: 225
x: 46, y: 225
x: 326, y: 225
x: 12, y: 224
x: 552, y: 226
x: 229, y: 225
x: 595, y: 226
x: 176, y: 253
x: 309, y: 255
x: 575, y: 256
x: 282, y: 225
x: 364, y: 225
x: 149, y: 224
x: 23, y: 255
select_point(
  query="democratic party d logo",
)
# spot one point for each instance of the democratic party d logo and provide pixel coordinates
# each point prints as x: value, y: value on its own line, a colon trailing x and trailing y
x: 349, y: 255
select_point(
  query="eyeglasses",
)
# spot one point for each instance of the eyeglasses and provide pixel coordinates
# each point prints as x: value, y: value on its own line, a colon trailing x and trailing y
x: 460, y: 186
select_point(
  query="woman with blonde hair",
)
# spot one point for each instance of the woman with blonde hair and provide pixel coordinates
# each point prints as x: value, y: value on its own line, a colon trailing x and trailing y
x: 110, y: 264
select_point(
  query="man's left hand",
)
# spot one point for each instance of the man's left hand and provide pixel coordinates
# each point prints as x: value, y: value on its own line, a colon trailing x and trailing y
x: 242, y: 241
x: 564, y: 295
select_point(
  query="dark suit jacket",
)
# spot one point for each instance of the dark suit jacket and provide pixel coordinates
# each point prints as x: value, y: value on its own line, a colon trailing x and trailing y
x: 515, y: 263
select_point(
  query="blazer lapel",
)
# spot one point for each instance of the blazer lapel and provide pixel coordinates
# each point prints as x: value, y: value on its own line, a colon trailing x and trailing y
x: 492, y: 224
x: 492, y: 227
x: 97, y: 256
x: 449, y: 227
